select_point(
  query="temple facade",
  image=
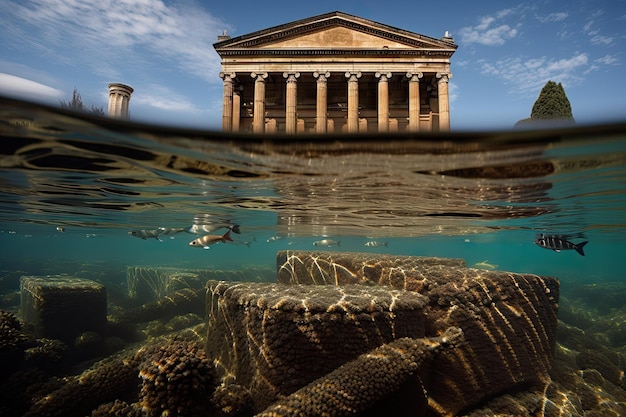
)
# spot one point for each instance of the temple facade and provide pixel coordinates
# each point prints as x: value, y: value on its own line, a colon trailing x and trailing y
x: 335, y: 73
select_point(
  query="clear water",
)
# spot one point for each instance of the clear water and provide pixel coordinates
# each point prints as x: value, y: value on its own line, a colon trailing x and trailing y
x: 477, y: 196
x: 73, y: 186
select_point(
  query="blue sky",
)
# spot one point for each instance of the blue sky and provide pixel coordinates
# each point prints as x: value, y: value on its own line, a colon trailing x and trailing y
x: 507, y: 51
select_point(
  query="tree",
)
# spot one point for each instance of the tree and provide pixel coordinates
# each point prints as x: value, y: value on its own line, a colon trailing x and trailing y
x: 76, y: 104
x: 552, y: 105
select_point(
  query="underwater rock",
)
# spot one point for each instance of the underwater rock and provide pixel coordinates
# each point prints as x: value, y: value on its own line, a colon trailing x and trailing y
x: 118, y: 408
x: 183, y: 301
x: 12, y: 343
x: 118, y: 377
x: 63, y: 307
x: 149, y: 284
x: 339, y: 268
x: 356, y: 386
x: 276, y: 338
x: 231, y: 400
x: 177, y: 379
x: 509, y: 320
x: 105, y: 381
x: 46, y: 354
x: 592, y: 359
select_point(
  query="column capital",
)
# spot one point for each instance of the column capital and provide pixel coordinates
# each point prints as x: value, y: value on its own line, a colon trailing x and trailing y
x: 291, y: 76
x: 259, y: 76
x: 382, y: 75
x: 414, y: 76
x: 321, y: 75
x: 224, y: 75
x: 444, y: 77
x: 353, y: 76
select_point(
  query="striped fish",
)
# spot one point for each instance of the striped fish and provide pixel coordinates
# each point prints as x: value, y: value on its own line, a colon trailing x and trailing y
x: 558, y: 243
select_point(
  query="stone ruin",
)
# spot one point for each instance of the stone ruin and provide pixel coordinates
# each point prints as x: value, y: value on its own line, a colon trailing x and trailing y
x: 338, y: 334
x: 358, y: 331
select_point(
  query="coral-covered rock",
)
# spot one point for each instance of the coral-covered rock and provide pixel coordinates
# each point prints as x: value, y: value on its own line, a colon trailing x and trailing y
x: 177, y: 379
x: 118, y: 408
x: 509, y: 320
x: 276, y: 338
x: 105, y: 381
x: 340, y: 268
x: 231, y: 400
x: 356, y: 386
x: 12, y: 343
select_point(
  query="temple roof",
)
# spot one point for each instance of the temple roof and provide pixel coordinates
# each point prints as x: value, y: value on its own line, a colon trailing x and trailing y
x: 337, y: 33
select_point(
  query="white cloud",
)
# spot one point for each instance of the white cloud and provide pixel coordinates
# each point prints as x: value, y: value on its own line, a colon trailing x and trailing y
x: 11, y: 85
x: 608, y: 60
x: 599, y: 39
x: 488, y: 32
x: 162, y: 97
x: 108, y: 35
x: 553, y: 17
x: 528, y: 76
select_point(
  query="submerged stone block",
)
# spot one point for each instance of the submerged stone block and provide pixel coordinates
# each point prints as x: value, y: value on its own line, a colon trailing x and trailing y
x: 63, y: 307
x: 149, y: 284
x: 339, y: 268
x: 276, y: 338
x: 508, y: 320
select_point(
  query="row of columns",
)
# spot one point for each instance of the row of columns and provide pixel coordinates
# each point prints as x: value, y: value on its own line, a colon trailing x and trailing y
x: 231, y: 101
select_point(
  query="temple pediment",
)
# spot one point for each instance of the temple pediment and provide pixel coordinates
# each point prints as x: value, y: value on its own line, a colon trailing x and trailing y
x: 336, y: 31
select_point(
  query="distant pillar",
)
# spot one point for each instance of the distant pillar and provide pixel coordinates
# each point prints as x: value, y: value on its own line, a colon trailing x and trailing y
x: 414, y: 100
x: 353, y: 101
x: 321, y: 103
x: 444, y: 101
x: 258, y: 118
x: 119, y: 98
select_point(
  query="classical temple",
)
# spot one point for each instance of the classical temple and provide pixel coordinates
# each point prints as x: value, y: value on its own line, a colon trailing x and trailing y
x: 335, y: 73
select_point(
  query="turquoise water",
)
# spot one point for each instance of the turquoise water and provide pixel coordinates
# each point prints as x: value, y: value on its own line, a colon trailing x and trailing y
x: 74, y: 187
x: 480, y: 197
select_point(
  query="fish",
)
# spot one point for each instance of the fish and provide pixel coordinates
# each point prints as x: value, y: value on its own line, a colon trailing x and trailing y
x: 207, y: 240
x: 485, y: 265
x: 61, y: 229
x: 326, y: 242
x: 558, y: 243
x: 273, y: 238
x: 171, y: 231
x: 146, y: 234
x: 375, y: 243
x: 210, y: 228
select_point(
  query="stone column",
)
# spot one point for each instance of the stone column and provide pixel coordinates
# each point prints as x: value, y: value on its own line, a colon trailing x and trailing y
x: 119, y: 98
x: 291, y: 102
x: 414, y: 100
x: 383, y: 100
x: 258, y: 120
x: 227, y: 101
x: 322, y: 101
x: 236, y: 110
x: 444, y: 103
x: 353, y: 101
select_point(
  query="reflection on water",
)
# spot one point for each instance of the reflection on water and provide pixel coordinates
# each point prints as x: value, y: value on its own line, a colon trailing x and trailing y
x: 72, y: 188
x: 85, y: 171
